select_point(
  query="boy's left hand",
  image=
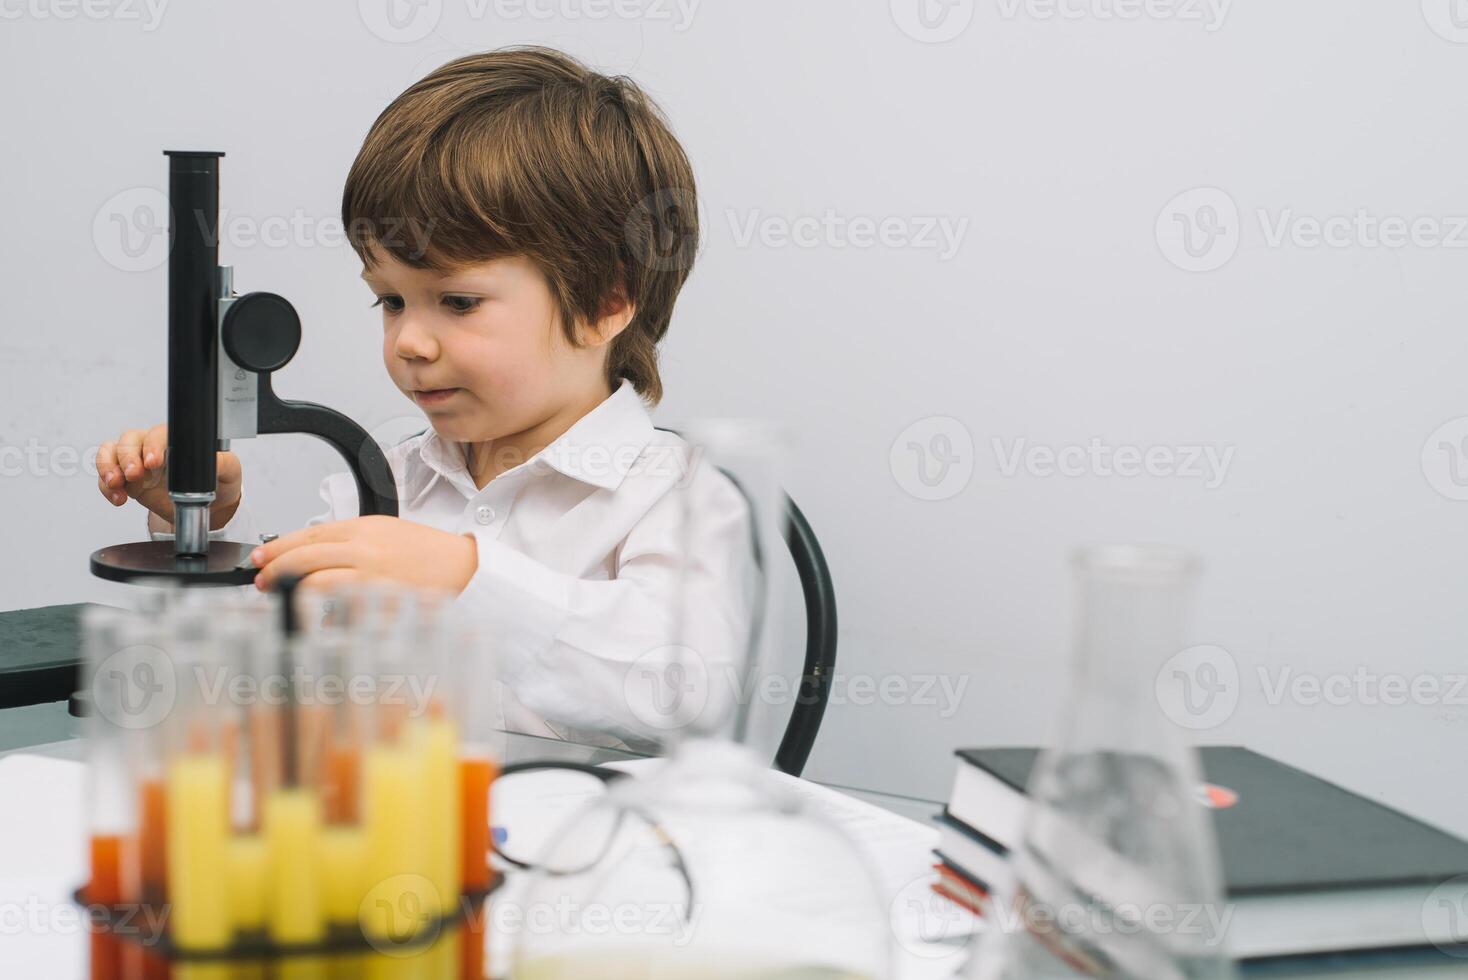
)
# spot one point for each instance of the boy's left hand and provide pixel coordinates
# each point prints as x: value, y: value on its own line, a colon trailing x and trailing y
x: 363, y: 548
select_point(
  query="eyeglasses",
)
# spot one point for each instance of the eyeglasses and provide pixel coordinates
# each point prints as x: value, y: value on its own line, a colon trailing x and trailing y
x: 538, y: 801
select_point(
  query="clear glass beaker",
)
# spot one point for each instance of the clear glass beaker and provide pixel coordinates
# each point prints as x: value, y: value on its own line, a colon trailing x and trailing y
x: 713, y: 866
x: 1117, y: 872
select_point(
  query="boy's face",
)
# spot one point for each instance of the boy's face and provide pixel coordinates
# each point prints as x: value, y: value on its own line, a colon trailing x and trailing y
x: 481, y: 350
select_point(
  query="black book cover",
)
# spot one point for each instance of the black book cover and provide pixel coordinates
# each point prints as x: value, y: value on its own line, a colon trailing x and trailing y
x: 1287, y: 831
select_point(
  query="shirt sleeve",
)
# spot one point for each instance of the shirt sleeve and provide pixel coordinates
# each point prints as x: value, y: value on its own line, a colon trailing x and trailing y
x: 654, y: 649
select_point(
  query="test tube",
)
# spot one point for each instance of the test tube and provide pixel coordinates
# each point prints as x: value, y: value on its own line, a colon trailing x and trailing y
x: 292, y: 814
x: 111, y: 794
x: 110, y: 791
x: 395, y: 806
x: 481, y: 747
x: 435, y: 726
x: 249, y: 644
x: 197, y: 807
x: 330, y: 652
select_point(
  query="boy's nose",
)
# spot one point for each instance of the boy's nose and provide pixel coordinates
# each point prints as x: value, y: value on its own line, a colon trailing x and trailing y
x: 415, y: 342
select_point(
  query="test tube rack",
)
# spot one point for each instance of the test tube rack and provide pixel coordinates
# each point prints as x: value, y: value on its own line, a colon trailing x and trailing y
x: 303, y: 778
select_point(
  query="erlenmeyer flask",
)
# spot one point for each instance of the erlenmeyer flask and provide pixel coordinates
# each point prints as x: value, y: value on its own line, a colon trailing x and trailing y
x: 1117, y: 873
x: 712, y: 868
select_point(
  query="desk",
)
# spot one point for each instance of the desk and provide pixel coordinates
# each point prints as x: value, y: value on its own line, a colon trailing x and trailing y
x: 47, y: 729
x: 521, y: 748
x: 59, y: 832
x: 39, y: 653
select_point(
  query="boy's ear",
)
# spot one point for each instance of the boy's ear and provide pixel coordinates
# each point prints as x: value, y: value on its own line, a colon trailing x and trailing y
x: 615, y: 315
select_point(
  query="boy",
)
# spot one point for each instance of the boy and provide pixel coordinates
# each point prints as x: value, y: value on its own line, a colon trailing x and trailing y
x: 521, y: 314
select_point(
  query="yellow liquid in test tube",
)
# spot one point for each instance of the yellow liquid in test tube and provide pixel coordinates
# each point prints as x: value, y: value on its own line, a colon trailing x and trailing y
x: 204, y: 971
x: 292, y: 840
x: 247, y: 866
x: 399, y: 899
x: 343, y: 872
x: 198, y: 830
x: 439, y: 741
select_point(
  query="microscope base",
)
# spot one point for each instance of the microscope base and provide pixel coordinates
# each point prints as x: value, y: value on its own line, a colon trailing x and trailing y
x: 228, y: 563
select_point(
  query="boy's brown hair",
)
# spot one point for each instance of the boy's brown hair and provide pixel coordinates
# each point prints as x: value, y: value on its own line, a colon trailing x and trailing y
x: 526, y: 151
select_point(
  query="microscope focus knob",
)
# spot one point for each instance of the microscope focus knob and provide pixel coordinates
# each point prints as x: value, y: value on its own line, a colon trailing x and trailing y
x: 261, y: 332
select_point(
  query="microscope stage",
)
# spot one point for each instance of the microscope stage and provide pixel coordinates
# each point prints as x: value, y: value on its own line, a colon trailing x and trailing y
x: 228, y: 563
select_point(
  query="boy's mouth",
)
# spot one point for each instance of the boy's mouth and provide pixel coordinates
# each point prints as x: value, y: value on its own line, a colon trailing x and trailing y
x: 434, y: 396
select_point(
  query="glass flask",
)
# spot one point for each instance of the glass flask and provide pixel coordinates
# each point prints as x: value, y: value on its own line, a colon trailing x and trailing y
x: 711, y: 865
x: 1117, y: 872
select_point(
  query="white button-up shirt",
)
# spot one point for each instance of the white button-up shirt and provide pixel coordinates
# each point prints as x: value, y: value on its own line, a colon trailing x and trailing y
x: 614, y: 567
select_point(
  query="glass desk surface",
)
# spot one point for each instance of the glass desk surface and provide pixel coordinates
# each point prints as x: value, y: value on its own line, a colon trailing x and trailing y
x: 48, y: 730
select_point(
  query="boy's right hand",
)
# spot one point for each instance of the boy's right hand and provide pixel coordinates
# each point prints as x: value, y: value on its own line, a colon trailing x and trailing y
x: 133, y: 466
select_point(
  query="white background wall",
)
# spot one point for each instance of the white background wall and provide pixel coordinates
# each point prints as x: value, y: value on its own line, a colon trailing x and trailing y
x: 1054, y: 142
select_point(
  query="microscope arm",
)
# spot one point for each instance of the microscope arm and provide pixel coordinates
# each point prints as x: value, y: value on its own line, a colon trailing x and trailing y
x: 376, y: 490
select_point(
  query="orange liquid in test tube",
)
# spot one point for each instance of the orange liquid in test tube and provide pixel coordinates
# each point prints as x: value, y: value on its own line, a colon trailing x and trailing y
x: 339, y: 792
x: 153, y: 840
x: 105, y: 888
x: 475, y: 775
x: 265, y: 753
x: 107, y: 957
x: 471, y: 945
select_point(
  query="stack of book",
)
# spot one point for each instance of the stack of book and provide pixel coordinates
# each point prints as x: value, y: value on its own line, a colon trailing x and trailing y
x: 1316, y: 877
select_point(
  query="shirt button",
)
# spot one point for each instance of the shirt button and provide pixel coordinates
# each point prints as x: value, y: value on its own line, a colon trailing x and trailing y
x: 484, y: 514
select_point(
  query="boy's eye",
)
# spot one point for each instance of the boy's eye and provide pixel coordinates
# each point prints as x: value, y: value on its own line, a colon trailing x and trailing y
x: 461, y: 304
x: 393, y: 304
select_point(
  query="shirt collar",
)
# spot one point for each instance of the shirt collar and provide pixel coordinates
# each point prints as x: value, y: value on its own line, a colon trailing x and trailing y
x: 599, y: 449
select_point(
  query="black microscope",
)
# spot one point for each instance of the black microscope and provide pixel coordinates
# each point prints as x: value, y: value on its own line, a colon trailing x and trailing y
x: 222, y: 351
